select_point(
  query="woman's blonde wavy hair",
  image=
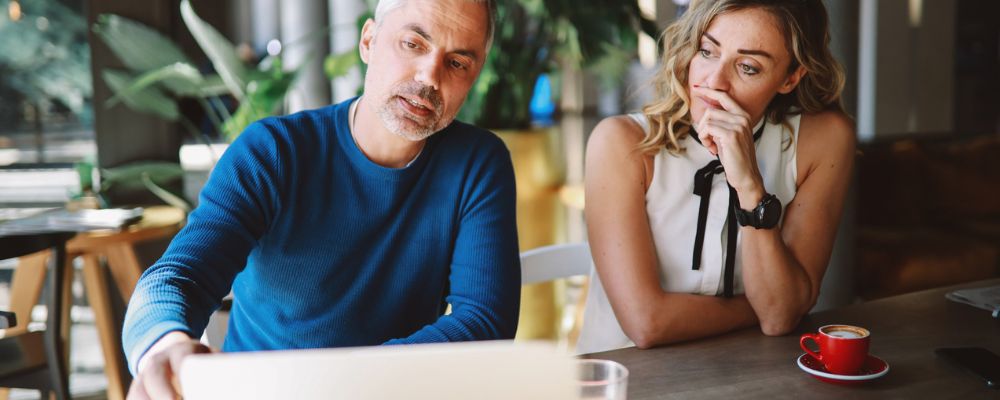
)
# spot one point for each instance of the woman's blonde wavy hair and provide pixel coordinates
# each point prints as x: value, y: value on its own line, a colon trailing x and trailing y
x: 804, y: 25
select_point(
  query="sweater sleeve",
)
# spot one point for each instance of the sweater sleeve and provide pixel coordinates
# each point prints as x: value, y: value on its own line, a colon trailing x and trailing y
x: 485, y: 277
x: 181, y: 290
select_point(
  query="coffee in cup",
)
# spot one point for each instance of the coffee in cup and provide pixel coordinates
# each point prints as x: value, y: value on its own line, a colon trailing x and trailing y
x: 842, y: 348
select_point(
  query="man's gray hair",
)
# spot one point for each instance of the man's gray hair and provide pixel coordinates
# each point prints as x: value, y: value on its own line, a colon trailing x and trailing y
x: 386, y: 6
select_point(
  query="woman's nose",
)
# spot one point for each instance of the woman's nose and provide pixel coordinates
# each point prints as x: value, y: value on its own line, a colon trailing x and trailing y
x: 718, y: 78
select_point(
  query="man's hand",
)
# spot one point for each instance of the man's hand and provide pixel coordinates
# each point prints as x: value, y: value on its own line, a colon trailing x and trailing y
x: 158, y: 368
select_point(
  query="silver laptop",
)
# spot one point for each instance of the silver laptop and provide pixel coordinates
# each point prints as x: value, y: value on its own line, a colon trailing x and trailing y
x: 472, y: 370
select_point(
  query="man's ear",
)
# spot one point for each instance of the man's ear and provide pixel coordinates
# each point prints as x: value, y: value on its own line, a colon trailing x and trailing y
x: 365, y: 44
x: 792, y: 80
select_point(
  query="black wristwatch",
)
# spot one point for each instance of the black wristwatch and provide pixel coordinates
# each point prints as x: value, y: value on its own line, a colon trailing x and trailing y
x: 764, y: 216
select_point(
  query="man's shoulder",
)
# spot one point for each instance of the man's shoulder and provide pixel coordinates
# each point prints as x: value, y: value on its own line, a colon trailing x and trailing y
x: 310, y: 128
x: 472, y: 138
x: 306, y: 120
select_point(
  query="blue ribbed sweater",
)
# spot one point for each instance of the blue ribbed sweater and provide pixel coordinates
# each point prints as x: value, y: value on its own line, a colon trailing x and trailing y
x: 324, y: 248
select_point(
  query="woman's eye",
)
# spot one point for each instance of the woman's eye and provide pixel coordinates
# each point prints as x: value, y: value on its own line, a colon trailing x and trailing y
x: 704, y: 53
x: 410, y: 45
x: 749, y: 70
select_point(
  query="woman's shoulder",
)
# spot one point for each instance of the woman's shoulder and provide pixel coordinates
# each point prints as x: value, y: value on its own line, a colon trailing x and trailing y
x: 831, y: 124
x: 825, y: 135
x: 619, y: 134
x: 615, y: 141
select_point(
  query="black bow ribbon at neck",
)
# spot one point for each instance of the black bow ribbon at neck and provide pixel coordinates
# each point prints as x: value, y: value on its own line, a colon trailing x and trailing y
x: 703, y: 188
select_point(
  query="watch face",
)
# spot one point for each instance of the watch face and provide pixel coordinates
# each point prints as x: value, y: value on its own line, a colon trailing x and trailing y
x: 769, y: 212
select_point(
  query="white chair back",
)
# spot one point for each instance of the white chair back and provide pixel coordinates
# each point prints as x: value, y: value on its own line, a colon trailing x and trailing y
x: 554, y: 262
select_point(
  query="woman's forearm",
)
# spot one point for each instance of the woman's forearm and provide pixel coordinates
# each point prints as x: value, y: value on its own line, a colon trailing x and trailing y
x: 776, y: 285
x: 676, y: 317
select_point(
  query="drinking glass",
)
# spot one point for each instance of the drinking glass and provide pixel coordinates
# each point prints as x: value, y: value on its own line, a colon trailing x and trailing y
x: 602, y: 379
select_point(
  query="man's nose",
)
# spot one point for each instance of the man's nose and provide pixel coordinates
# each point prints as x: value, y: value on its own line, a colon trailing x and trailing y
x: 429, y: 71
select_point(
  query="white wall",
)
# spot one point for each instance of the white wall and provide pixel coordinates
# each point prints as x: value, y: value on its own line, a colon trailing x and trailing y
x: 909, y: 64
x: 344, y: 36
x: 304, y: 47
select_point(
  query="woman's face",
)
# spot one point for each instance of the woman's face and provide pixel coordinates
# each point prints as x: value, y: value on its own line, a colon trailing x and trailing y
x: 743, y: 54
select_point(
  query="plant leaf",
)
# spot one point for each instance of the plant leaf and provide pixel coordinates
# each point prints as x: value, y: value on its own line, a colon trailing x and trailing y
x: 214, y: 86
x: 138, y: 46
x: 337, y: 65
x: 181, y: 79
x: 85, y: 169
x: 129, y: 176
x: 164, y: 194
x: 152, y: 100
x: 611, y: 66
x: 264, y: 95
x: 219, y: 50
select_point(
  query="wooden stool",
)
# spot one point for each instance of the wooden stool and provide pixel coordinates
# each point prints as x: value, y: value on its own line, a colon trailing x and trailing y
x: 117, y: 248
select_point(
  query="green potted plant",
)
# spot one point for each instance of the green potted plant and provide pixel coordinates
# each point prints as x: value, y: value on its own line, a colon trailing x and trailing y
x: 532, y: 38
x: 159, y: 75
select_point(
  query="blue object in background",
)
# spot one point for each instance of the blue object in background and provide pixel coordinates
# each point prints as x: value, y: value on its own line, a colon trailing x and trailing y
x: 542, y: 107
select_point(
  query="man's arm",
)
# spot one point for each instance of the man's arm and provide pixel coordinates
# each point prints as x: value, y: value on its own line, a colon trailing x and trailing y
x: 485, y: 280
x: 181, y: 290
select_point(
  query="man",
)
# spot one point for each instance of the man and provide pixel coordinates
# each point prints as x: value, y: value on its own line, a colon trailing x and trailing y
x: 354, y: 224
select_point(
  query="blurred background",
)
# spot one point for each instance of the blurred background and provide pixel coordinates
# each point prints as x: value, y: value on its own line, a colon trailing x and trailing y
x: 117, y: 103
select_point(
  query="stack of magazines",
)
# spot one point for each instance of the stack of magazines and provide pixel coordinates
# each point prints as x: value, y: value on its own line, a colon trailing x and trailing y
x: 77, y: 220
x: 986, y: 298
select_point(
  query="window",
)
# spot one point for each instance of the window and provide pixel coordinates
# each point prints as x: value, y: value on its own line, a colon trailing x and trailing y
x: 45, y: 83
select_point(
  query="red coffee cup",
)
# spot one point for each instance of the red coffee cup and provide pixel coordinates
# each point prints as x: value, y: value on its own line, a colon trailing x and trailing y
x: 842, y: 348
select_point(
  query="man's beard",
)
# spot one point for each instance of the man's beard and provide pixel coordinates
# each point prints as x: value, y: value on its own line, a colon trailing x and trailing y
x: 407, y: 125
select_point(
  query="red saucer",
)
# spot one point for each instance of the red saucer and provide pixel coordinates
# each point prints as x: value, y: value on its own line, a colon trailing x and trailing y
x: 873, y: 368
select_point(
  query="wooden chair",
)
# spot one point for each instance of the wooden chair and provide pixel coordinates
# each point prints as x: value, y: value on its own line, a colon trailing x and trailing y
x: 37, y: 360
x: 117, y: 249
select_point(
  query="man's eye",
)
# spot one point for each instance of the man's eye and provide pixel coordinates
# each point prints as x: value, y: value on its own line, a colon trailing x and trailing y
x: 457, y: 64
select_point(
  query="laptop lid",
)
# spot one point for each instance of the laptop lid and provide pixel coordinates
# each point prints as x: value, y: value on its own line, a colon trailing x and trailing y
x: 471, y: 370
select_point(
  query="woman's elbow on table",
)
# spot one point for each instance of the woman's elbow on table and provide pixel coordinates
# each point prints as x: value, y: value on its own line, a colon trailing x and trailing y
x: 783, y: 318
x: 776, y: 328
x: 639, y: 329
x: 643, y: 340
x: 779, y: 325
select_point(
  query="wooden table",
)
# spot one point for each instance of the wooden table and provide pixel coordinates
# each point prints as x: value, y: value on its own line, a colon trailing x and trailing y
x: 746, y: 364
x: 117, y: 248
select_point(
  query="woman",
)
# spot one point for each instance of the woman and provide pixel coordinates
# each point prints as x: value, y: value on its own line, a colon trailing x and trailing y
x: 716, y: 207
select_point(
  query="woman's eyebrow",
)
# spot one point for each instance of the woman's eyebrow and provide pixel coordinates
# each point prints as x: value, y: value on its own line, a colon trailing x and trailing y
x: 741, y: 51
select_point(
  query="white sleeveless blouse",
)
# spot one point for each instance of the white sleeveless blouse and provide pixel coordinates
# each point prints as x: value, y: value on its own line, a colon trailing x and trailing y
x: 672, y: 209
